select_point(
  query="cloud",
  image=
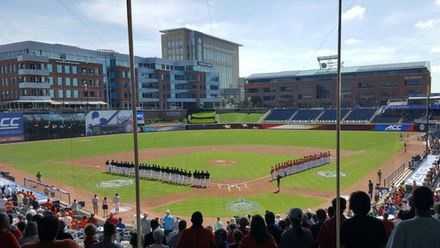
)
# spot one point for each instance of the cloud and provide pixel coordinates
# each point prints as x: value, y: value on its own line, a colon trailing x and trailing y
x: 435, y: 49
x: 352, y: 41
x: 435, y: 68
x: 437, y: 2
x: 147, y: 15
x: 427, y: 24
x: 355, y: 12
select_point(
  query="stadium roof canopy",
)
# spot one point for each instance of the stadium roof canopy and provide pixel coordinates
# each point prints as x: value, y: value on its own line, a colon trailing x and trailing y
x: 345, y: 70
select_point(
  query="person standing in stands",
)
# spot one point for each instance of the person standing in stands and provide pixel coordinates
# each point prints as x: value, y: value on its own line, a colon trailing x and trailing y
x: 95, y: 204
x: 327, y: 234
x: 47, y: 231
x: 362, y: 230
x: 196, y: 236
x: 422, y: 231
x: 379, y: 176
x: 370, y: 188
x: 296, y: 234
x: 109, y: 237
x: 168, y: 222
x: 7, y: 238
x: 258, y: 236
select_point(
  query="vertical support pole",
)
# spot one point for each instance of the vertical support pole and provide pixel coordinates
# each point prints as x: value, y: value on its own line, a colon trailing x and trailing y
x: 135, y: 134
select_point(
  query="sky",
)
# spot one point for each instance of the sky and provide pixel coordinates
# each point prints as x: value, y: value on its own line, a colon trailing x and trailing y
x: 276, y: 35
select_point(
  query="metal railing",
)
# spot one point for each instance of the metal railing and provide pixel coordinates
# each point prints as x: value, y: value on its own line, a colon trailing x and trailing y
x: 50, y: 190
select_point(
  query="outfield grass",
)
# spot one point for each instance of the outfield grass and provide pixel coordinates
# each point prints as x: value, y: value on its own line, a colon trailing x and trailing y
x: 53, y: 158
x: 239, y: 117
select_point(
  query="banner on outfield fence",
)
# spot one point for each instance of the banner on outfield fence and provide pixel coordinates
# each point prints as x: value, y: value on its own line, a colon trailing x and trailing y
x: 140, y: 118
x: 108, y: 122
x: 405, y: 127
x: 11, y: 127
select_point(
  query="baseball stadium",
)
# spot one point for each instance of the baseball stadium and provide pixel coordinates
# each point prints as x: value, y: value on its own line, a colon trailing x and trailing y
x: 238, y: 154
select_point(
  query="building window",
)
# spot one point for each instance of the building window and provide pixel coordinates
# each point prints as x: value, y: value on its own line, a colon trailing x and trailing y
x: 50, y: 80
x: 75, y: 82
x: 75, y: 93
x: 68, y: 81
x: 60, y: 94
x: 59, y: 68
x: 49, y: 67
x: 60, y: 80
x: 51, y: 93
x: 68, y: 93
x: 74, y: 69
x: 67, y: 69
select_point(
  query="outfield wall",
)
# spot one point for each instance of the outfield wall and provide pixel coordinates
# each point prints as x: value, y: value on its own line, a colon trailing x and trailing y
x: 15, y: 127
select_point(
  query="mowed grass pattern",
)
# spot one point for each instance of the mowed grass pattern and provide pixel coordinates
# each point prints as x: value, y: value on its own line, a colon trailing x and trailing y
x: 53, y: 158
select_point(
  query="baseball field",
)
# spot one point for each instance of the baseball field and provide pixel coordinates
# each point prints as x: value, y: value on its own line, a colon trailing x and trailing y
x: 233, y: 157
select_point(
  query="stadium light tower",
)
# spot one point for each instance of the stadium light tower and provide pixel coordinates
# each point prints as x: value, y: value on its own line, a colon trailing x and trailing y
x: 338, y: 132
x: 134, y: 118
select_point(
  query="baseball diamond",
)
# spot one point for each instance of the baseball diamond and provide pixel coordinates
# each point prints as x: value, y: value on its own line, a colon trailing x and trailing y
x: 80, y: 167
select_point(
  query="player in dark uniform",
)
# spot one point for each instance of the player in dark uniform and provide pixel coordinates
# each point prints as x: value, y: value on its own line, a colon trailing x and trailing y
x: 278, y: 183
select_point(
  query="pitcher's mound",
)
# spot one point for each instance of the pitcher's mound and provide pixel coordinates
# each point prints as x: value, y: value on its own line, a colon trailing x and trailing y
x: 222, y: 162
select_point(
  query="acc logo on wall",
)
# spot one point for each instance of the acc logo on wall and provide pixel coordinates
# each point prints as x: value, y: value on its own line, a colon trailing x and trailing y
x: 11, y: 127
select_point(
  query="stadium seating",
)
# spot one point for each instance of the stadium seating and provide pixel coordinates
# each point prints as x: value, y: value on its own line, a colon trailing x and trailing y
x: 280, y: 114
x: 361, y: 114
x: 329, y: 115
x: 307, y: 115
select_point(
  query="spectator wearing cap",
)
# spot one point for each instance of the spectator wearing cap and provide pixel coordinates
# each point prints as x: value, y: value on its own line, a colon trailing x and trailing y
x: 7, y: 238
x: 421, y: 231
x: 296, y: 234
x: 196, y: 236
x: 362, y: 230
x: 327, y: 233
x: 258, y: 235
x: 47, y: 232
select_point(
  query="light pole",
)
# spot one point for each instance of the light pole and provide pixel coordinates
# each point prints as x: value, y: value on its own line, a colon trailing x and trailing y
x: 134, y: 117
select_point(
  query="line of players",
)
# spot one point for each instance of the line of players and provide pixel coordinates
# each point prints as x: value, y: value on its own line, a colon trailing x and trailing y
x: 173, y: 175
x: 293, y: 166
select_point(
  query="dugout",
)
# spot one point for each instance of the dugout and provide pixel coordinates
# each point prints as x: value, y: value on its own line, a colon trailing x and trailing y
x: 40, y: 126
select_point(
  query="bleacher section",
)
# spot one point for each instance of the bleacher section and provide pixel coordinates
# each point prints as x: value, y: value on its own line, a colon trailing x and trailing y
x: 280, y: 114
x: 361, y: 115
x: 306, y: 115
x: 329, y: 115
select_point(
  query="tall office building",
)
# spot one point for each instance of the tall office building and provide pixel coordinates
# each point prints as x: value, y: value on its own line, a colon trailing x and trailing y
x: 187, y: 44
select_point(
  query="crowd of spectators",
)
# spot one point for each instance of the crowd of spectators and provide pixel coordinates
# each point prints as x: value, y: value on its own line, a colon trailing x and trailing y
x: 27, y: 223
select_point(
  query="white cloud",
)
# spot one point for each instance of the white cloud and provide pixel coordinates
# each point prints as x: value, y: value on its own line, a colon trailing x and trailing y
x: 435, y: 68
x: 437, y: 2
x: 147, y: 15
x: 427, y: 24
x: 352, y: 41
x: 435, y: 49
x: 355, y: 12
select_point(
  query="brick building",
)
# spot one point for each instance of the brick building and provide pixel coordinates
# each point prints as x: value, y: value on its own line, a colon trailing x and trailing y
x: 40, y: 75
x: 361, y: 85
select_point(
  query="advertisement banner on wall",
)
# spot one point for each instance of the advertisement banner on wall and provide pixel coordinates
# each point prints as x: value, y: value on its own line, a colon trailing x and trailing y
x: 11, y: 127
x: 108, y: 122
x: 140, y: 118
x: 405, y: 127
